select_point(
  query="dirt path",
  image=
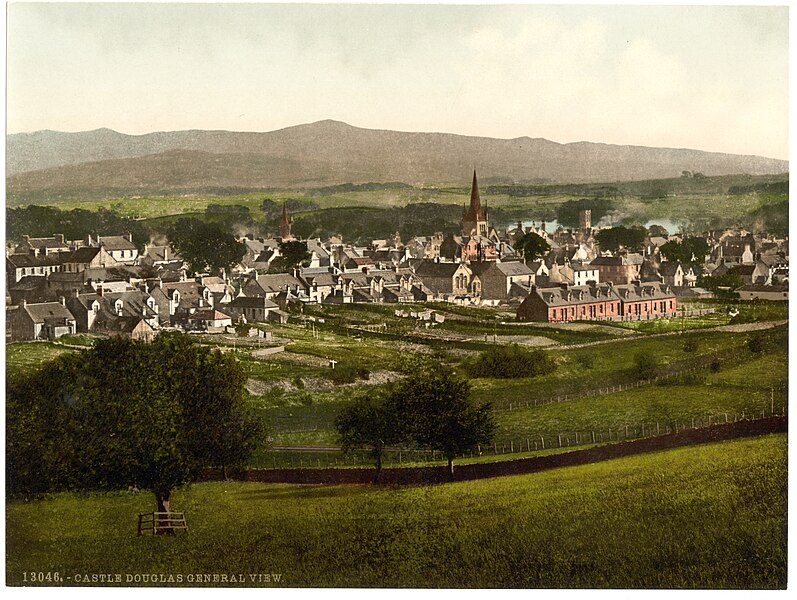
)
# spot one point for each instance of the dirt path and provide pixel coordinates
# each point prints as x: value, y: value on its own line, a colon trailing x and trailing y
x: 426, y: 475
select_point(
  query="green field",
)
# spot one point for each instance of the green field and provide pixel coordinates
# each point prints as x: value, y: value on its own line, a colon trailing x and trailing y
x: 707, y: 516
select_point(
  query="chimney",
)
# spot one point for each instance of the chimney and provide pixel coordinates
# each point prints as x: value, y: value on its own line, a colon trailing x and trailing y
x: 563, y: 285
x: 99, y: 291
x: 62, y: 300
x: 128, y: 236
x: 25, y: 238
x: 59, y: 237
x: 76, y: 293
x: 23, y: 303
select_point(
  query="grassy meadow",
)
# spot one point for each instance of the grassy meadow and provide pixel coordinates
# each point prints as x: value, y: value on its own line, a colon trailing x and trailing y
x: 707, y: 516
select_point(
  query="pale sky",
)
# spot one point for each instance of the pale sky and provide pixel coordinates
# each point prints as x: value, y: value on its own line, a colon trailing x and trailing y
x: 713, y: 78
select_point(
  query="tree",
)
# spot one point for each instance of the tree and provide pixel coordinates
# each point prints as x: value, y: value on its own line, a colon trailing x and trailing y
x: 685, y: 251
x: 368, y: 422
x: 436, y: 413
x: 127, y: 413
x: 293, y: 253
x: 510, y: 361
x: 532, y: 246
x: 621, y: 237
x: 656, y: 230
x: 206, y: 247
x: 646, y: 365
x: 567, y: 212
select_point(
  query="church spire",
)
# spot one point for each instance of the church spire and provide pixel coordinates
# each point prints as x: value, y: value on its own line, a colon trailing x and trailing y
x: 475, y: 219
x: 285, y: 225
x: 475, y: 200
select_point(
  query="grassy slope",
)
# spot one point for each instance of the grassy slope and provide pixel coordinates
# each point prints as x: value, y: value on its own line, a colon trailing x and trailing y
x: 712, y: 515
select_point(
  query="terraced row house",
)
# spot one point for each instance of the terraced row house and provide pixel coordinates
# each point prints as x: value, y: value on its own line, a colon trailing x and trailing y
x: 598, y: 302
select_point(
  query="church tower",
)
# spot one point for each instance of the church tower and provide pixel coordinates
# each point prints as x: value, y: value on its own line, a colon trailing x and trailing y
x: 474, y: 220
x: 285, y: 225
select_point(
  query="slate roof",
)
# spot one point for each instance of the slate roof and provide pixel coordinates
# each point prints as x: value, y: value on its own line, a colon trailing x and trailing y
x: 436, y: 269
x: 278, y: 282
x: 48, y: 312
x: 116, y: 243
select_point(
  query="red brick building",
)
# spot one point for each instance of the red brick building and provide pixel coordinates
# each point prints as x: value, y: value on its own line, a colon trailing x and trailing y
x: 597, y: 302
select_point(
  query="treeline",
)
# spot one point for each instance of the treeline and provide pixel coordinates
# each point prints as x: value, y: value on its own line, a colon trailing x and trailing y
x: 366, y: 224
x: 775, y: 187
x: 343, y: 188
x: 571, y: 189
x: 44, y: 221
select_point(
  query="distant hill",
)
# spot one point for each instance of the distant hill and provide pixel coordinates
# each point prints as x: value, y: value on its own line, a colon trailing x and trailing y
x: 330, y: 153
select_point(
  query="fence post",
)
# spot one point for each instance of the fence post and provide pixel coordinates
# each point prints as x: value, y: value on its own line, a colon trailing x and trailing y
x: 657, y: 428
x: 560, y: 440
x: 511, y: 446
x: 542, y: 441
x: 593, y: 437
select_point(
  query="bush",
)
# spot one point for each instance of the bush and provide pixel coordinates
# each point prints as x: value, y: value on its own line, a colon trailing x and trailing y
x: 586, y: 360
x: 646, y: 365
x: 509, y: 362
x: 756, y: 344
x: 298, y: 383
x: 363, y: 373
x: 342, y: 374
x: 715, y: 365
x: 306, y: 400
x: 690, y: 345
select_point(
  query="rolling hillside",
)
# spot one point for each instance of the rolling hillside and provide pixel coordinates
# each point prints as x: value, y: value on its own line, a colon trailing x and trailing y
x: 331, y: 152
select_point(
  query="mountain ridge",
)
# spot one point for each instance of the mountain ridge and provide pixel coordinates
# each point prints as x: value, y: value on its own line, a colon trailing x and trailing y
x: 333, y: 152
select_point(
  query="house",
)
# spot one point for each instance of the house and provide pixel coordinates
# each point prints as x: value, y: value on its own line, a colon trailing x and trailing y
x: 120, y: 247
x: 176, y: 301
x: 672, y: 273
x: 570, y: 303
x: 584, y: 273
x: 155, y: 255
x: 268, y: 286
x: 115, y: 313
x: 621, y: 269
x: 641, y: 301
x: 39, y: 321
x: 88, y: 258
x: 250, y: 309
x: 22, y: 265
x: 501, y: 280
x: 446, y: 280
x: 636, y: 301
x: 44, y: 246
x: 764, y: 292
x: 209, y: 320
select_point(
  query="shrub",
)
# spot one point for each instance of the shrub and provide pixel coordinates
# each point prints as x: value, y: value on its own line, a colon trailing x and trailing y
x: 646, y: 365
x: 342, y: 374
x: 690, y: 345
x: 363, y: 373
x: 306, y: 400
x: 756, y: 344
x: 298, y: 383
x: 715, y: 365
x: 509, y: 362
x: 586, y: 360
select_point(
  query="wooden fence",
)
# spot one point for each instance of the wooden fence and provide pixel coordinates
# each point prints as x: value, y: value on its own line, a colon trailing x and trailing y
x: 161, y: 521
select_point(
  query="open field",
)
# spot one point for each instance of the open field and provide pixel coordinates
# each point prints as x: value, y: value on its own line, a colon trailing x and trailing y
x: 712, y: 515
x: 296, y: 393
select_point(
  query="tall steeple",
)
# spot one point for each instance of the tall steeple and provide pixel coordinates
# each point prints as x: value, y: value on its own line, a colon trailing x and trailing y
x: 285, y: 225
x: 474, y: 221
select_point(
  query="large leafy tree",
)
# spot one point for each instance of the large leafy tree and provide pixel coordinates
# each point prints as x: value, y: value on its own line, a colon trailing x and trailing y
x: 567, y: 212
x: 293, y: 253
x: 630, y: 238
x: 532, y: 246
x: 127, y: 413
x: 368, y: 422
x: 206, y: 247
x: 685, y: 250
x: 435, y: 411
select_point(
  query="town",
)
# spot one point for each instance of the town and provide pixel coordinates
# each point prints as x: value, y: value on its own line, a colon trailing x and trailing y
x: 105, y: 284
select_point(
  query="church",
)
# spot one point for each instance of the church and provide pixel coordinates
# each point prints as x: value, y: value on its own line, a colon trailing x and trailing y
x: 478, y: 243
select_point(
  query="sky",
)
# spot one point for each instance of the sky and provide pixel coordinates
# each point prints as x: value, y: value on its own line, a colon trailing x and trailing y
x: 712, y: 77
